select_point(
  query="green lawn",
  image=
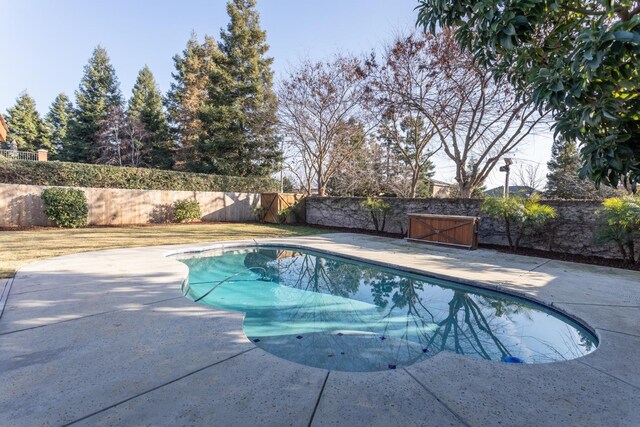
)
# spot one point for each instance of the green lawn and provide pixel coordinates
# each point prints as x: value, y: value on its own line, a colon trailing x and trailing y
x: 18, y: 248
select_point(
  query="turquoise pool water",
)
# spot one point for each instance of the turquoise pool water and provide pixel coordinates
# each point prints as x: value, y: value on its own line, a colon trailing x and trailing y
x: 334, y: 313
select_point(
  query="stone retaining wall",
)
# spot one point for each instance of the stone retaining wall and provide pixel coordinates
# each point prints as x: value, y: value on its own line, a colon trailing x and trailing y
x: 573, y: 231
x: 21, y: 205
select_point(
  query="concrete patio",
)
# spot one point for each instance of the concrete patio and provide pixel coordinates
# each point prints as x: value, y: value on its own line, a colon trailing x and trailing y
x: 106, y: 338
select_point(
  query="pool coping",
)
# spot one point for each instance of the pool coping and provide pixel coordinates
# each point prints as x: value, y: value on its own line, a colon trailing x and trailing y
x: 43, y: 295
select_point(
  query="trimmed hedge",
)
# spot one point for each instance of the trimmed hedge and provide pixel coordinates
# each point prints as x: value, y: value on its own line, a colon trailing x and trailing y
x: 102, y: 176
x: 66, y: 207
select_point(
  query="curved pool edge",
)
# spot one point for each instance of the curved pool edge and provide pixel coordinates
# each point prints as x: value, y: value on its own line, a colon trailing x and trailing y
x: 493, y: 287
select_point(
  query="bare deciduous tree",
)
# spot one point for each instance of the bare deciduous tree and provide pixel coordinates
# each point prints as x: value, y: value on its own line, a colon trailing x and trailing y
x: 323, y: 118
x: 477, y: 119
x: 529, y: 175
x: 411, y: 138
x: 119, y: 139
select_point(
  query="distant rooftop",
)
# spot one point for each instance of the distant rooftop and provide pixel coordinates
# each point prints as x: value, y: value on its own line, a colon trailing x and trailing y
x: 521, y: 190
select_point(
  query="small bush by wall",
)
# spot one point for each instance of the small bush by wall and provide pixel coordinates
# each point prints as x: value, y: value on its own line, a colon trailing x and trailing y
x: 65, y: 207
x: 102, y: 176
x: 186, y: 211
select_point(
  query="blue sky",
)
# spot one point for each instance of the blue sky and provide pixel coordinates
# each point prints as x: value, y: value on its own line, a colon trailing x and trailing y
x: 46, y: 43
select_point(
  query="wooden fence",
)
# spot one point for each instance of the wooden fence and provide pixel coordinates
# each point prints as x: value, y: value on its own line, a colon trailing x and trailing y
x: 21, y: 205
x: 275, y: 204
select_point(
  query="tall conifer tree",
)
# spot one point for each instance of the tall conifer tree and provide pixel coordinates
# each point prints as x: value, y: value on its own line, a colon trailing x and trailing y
x: 240, y: 118
x: 99, y: 92
x: 563, y: 181
x: 186, y: 97
x: 146, y: 111
x: 58, y: 117
x: 26, y: 127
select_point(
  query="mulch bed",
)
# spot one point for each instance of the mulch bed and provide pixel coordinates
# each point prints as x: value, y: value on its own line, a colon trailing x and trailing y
x: 583, y: 259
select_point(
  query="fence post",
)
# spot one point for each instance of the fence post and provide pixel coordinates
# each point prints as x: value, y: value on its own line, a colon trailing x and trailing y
x: 42, y: 155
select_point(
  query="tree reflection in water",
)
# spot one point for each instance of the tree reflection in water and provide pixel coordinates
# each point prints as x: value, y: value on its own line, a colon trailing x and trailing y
x: 384, y: 312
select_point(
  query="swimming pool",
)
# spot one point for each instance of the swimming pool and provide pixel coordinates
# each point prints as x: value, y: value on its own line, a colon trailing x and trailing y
x: 336, y: 313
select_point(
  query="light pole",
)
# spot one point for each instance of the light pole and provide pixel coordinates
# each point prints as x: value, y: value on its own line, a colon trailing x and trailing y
x: 507, y: 166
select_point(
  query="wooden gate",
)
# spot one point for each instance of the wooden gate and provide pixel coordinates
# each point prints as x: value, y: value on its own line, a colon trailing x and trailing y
x: 450, y: 230
x: 275, y: 203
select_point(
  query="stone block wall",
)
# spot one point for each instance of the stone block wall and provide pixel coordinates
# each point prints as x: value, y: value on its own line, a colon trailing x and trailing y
x: 573, y: 231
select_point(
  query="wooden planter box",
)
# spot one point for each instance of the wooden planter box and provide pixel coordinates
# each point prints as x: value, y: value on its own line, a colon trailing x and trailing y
x: 449, y: 230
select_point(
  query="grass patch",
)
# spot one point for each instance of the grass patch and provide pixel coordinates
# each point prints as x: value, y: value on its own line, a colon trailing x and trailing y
x: 21, y: 247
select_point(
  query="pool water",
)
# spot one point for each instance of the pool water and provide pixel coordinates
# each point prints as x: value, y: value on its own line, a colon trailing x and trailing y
x: 335, y: 313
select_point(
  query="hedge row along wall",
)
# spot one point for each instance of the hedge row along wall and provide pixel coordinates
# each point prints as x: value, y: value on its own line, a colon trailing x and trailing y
x: 102, y: 176
x: 573, y: 231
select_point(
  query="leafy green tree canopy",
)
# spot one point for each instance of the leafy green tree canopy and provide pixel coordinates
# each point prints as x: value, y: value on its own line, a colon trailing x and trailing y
x: 620, y: 224
x: 578, y: 59
x: 522, y: 216
x: 26, y: 127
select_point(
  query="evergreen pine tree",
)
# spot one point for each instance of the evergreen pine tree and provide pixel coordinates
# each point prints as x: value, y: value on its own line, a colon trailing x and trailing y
x: 26, y: 127
x: 145, y: 108
x: 563, y: 181
x: 187, y: 95
x: 240, y: 118
x: 99, y: 92
x: 58, y: 117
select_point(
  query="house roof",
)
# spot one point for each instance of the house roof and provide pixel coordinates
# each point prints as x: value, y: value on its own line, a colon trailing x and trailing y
x: 4, y: 129
x: 441, y: 183
x: 513, y: 189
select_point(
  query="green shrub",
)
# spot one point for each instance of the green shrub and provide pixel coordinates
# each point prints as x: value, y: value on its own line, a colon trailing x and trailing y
x: 66, y: 207
x: 378, y: 209
x: 186, y: 210
x: 260, y: 212
x: 620, y: 218
x: 522, y: 216
x: 284, y: 213
x: 66, y: 174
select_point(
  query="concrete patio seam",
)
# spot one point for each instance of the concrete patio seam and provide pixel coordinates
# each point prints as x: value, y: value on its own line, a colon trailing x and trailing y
x: 607, y: 374
x: 457, y: 416
x: 315, y: 407
x: 87, y: 316
x: 5, y: 294
x: 539, y: 265
x: 618, y: 332
x: 156, y: 388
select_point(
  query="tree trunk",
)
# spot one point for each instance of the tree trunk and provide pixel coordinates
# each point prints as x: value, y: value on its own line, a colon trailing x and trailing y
x: 507, y: 225
x: 464, y: 192
x: 415, y: 176
x: 322, y: 186
x: 623, y: 251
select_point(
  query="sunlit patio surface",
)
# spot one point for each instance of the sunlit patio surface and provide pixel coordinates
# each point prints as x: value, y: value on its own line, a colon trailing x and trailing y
x: 106, y: 338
